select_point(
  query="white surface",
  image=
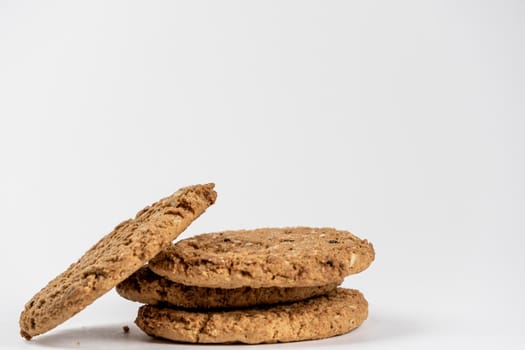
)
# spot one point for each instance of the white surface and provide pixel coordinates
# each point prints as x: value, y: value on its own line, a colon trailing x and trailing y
x: 402, y: 121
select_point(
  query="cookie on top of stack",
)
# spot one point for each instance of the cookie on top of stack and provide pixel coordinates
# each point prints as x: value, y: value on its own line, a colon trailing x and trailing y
x: 252, y: 286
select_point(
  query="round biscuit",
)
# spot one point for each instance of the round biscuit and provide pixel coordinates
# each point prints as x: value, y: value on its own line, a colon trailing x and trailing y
x: 336, y: 313
x: 265, y: 257
x: 116, y: 256
x: 148, y: 288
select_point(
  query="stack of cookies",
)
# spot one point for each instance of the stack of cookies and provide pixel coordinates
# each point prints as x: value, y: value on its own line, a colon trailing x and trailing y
x: 259, y: 286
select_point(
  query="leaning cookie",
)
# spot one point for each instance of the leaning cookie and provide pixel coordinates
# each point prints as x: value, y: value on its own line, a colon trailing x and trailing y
x: 337, y: 313
x: 148, y: 288
x: 266, y: 257
x: 116, y: 256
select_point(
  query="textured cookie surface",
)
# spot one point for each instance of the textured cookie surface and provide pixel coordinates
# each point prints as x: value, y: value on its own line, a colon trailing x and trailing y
x: 146, y: 287
x: 321, y: 317
x: 266, y: 257
x: 113, y: 258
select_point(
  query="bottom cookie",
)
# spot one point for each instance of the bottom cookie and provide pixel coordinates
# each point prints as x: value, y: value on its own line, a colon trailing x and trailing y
x: 338, y: 312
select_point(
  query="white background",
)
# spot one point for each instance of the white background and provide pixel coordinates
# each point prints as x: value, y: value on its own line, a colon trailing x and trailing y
x: 401, y: 121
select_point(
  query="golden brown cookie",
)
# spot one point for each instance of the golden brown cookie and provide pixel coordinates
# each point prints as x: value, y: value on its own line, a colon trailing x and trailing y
x: 116, y: 256
x: 266, y: 257
x: 146, y: 287
x: 336, y: 313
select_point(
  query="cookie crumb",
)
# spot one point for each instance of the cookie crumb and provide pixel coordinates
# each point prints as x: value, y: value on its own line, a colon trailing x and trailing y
x: 125, y: 329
